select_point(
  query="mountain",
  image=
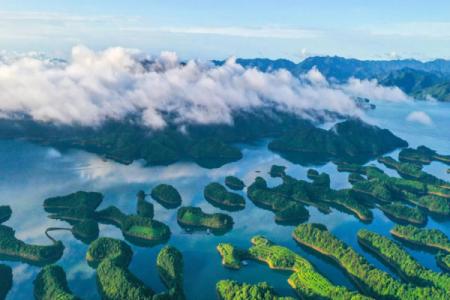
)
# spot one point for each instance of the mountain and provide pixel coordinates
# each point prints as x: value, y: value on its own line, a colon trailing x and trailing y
x: 419, y: 84
x: 341, y: 69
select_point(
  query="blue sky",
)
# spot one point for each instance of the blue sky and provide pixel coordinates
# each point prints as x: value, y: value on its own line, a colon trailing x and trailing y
x: 211, y: 29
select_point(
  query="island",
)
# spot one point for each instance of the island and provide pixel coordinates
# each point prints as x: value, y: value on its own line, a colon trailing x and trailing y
x: 139, y: 230
x: 370, y: 280
x: 277, y: 171
x: 232, y: 290
x: 111, y: 258
x: 51, y: 283
x: 218, y: 196
x: 307, y: 282
x: 193, y: 218
x: 403, y: 263
x: 80, y: 200
x: 6, y: 281
x: 350, y: 141
x: 412, y: 171
x: 234, y: 183
x: 443, y: 261
x: 404, y: 213
x: 428, y: 238
x: 5, y: 213
x: 79, y: 210
x: 422, y: 155
x: 166, y: 195
x: 170, y: 267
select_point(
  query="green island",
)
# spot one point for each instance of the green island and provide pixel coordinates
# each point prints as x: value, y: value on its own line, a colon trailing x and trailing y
x: 233, y: 290
x: 234, y: 183
x: 404, y: 213
x: 51, y: 283
x: 285, y: 199
x: 218, y: 196
x: 135, y: 228
x: 428, y: 238
x: 79, y: 210
x: 166, y: 195
x: 355, y: 177
x: 111, y: 258
x: 412, y: 171
x: 143, y: 208
x: 403, y: 263
x: 6, y: 281
x: 287, y: 210
x: 170, y: 267
x: 305, y: 280
x: 193, y: 218
x: 89, y: 201
x: 5, y: 213
x: 422, y: 155
x: 12, y: 248
x: 351, y: 140
x: 370, y: 280
x: 380, y: 188
x: 277, y: 171
x: 443, y: 261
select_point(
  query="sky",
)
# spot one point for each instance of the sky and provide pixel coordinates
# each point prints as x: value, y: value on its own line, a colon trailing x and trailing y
x: 219, y: 29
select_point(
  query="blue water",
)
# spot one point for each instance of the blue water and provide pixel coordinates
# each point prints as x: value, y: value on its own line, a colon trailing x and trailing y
x: 30, y: 173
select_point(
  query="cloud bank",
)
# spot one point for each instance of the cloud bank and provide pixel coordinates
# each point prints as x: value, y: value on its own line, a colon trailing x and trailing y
x: 419, y: 117
x: 112, y: 84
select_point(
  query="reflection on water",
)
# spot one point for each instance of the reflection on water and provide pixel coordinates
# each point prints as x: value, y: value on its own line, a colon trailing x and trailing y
x: 30, y: 173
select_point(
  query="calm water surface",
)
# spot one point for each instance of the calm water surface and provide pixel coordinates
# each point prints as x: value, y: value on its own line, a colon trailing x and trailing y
x: 31, y: 173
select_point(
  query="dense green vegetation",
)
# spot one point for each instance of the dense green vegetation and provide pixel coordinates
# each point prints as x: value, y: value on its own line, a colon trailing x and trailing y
x: 51, y: 283
x: 217, y: 195
x: 135, y: 228
x: 166, y: 195
x: 431, y: 238
x: 5, y: 213
x: 277, y: 200
x: 12, y: 248
x: 422, y: 155
x: 194, y: 218
x: 6, y: 281
x: 369, y: 279
x: 411, y: 171
x: 443, y: 261
x: 351, y: 140
x: 232, y: 290
x: 144, y: 209
x: 170, y: 268
x: 231, y: 257
x: 401, y: 261
x: 86, y: 230
x: 111, y: 258
x: 125, y: 140
x: 307, y: 282
x: 234, y: 183
x: 80, y: 200
x: 277, y: 171
x: 404, y: 213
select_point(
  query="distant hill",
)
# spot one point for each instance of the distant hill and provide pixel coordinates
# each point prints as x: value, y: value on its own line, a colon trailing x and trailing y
x: 414, y: 77
x: 342, y: 68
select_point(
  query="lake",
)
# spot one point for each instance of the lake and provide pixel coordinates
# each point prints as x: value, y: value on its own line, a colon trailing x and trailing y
x: 30, y: 173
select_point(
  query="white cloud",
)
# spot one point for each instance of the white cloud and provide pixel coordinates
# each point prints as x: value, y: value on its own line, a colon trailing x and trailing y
x: 95, y: 86
x: 247, y: 32
x: 373, y: 90
x: 419, y: 117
